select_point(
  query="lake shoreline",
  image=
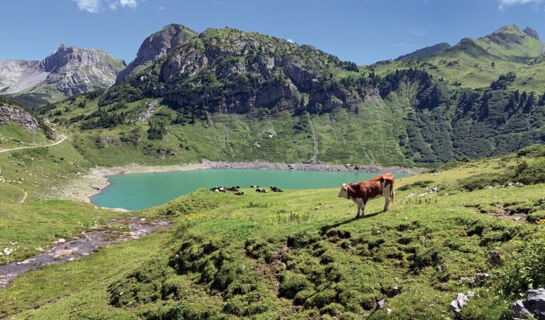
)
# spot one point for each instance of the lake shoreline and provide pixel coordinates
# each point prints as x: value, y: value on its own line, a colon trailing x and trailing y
x: 97, y: 179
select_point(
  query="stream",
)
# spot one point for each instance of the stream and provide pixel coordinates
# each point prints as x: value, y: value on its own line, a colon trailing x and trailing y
x: 81, y: 247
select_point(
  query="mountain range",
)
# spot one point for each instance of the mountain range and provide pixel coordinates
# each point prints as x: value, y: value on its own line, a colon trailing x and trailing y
x: 68, y: 71
x: 227, y: 94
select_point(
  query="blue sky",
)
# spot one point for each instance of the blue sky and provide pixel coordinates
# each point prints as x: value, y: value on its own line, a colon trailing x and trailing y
x: 363, y: 31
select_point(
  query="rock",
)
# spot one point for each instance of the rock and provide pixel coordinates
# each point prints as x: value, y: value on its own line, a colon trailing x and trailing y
x: 470, y: 281
x: 532, y: 33
x: 517, y: 218
x: 388, y: 310
x: 156, y: 46
x: 381, y: 304
x: 480, y: 277
x: 534, y: 305
x: 461, y: 300
x: 496, y: 257
x: 519, y: 311
x: 18, y: 116
x: 61, y: 240
x: 410, y: 195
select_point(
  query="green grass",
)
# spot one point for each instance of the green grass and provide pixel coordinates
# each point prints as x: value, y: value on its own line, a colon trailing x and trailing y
x: 300, y: 254
x: 49, y: 287
x: 26, y: 227
x: 475, y: 63
x: 14, y: 136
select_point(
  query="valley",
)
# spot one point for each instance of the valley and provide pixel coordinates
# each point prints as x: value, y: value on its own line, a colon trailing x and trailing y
x: 464, y: 125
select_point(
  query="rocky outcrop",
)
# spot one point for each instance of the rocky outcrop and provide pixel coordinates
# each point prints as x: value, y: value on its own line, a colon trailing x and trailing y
x: 74, y: 71
x: 68, y: 71
x: 231, y: 71
x: 461, y: 300
x: 532, y: 33
x: 18, y: 116
x: 156, y: 46
x: 533, y: 306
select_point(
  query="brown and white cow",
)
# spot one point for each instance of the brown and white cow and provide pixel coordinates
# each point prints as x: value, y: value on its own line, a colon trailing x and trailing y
x: 364, y: 191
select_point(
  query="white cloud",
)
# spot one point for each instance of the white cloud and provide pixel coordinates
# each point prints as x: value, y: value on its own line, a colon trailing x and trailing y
x: 97, y: 6
x: 507, y: 3
x: 291, y: 41
x: 92, y: 6
x: 128, y: 3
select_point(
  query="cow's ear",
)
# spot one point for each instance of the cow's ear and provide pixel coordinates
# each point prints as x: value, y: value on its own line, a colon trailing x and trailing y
x: 345, y: 187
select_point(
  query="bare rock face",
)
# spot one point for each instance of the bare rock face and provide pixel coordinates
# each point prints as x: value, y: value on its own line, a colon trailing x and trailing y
x: 75, y: 71
x: 156, y: 46
x: 18, y: 116
x: 18, y: 75
x: 67, y: 71
x: 532, y: 33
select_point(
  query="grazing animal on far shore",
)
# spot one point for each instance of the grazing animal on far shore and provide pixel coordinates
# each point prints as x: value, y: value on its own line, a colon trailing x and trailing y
x: 276, y: 189
x: 240, y: 193
x: 218, y: 189
x: 364, y: 191
x: 261, y: 190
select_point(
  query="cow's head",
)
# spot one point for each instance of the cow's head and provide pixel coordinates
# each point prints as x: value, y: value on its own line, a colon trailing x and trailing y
x: 343, y: 193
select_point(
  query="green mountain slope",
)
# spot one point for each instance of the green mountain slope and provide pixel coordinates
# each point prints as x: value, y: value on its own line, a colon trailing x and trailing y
x: 233, y: 95
x: 475, y: 63
x: 425, y: 52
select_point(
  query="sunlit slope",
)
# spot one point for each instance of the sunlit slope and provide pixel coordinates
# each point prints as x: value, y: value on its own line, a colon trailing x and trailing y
x: 300, y: 254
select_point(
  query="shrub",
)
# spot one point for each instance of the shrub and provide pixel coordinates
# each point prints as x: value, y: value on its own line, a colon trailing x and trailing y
x: 526, y: 269
x: 531, y: 172
x: 293, y: 283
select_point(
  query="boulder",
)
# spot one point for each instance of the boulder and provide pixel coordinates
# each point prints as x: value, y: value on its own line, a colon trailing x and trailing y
x: 534, y: 305
x: 461, y: 300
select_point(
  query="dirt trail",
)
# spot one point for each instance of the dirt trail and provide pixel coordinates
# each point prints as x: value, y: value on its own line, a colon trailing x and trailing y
x: 24, y: 195
x: 62, y: 138
x: 81, y: 247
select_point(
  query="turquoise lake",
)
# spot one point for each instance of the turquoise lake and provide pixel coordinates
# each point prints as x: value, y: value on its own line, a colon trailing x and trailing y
x: 144, y: 190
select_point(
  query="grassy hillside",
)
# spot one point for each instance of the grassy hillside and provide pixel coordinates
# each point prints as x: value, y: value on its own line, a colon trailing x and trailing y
x: 475, y: 63
x: 300, y: 254
x: 239, y: 96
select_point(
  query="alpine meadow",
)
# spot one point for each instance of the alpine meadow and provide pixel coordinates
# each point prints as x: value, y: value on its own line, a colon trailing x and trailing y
x: 461, y: 126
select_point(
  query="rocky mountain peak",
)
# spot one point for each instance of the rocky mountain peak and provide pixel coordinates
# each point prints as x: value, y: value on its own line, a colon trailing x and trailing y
x: 532, y: 33
x: 158, y: 45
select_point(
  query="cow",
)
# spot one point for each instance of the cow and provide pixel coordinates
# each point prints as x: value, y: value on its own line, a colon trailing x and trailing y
x: 364, y: 191
x: 276, y: 189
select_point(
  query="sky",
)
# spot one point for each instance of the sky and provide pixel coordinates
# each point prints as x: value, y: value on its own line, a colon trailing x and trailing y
x: 362, y: 31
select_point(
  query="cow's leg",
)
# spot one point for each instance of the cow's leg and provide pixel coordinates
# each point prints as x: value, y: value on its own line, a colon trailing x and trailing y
x: 360, y: 204
x: 387, y: 199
